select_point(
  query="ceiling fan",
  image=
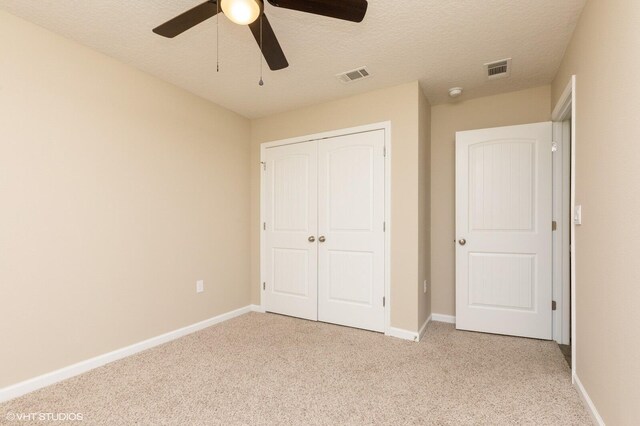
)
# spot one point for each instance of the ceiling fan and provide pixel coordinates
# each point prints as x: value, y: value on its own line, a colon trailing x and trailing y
x: 247, y: 12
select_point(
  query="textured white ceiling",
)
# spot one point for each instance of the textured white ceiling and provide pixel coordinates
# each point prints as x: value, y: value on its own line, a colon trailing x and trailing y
x: 440, y: 43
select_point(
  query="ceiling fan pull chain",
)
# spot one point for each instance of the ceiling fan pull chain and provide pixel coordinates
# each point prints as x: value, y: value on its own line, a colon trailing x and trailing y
x: 218, y: 36
x: 261, y: 82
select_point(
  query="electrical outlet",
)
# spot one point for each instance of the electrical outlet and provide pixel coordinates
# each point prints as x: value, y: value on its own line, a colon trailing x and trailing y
x: 425, y: 286
x: 199, y: 286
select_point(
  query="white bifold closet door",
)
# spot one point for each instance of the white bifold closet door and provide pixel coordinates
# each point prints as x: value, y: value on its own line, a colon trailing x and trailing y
x: 291, y: 230
x: 351, y: 220
x: 325, y: 230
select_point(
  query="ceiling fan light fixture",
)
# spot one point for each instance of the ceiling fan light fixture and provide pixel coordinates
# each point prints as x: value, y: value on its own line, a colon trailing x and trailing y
x: 242, y: 12
x: 250, y: 13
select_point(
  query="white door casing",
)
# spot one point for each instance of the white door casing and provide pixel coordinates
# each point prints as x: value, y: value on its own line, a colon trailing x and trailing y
x: 504, y: 230
x: 351, y: 230
x: 291, y: 221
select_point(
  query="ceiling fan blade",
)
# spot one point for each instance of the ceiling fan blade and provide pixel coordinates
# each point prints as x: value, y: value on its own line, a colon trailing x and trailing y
x: 348, y: 10
x: 271, y: 49
x: 188, y: 19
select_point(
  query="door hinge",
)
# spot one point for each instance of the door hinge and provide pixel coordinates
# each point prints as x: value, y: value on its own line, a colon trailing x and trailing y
x: 384, y: 151
x: 553, y: 305
x: 384, y: 301
x: 554, y: 226
x: 264, y: 286
x: 554, y: 147
x: 264, y: 165
x: 384, y: 226
x: 264, y: 226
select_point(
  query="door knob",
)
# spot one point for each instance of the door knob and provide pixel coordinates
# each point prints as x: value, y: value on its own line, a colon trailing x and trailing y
x: 312, y: 239
x: 462, y: 242
x: 322, y: 239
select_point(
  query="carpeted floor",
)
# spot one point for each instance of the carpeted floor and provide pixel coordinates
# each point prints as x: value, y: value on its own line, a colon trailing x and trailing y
x: 268, y: 369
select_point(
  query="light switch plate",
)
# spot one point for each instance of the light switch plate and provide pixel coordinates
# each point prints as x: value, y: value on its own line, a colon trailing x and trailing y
x: 199, y: 286
x: 577, y: 215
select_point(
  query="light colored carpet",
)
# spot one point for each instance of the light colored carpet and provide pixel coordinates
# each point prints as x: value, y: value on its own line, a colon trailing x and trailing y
x: 267, y: 369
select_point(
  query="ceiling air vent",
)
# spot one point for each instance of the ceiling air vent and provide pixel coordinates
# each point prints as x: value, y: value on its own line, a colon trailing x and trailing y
x: 498, y: 69
x: 353, y: 75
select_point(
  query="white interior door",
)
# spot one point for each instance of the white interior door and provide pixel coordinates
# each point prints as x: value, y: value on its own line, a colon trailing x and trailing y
x: 291, y: 230
x: 503, y: 230
x: 350, y: 228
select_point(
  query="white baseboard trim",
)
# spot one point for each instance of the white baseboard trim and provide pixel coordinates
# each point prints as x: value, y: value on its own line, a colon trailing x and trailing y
x: 423, y: 329
x: 406, y: 334
x: 443, y: 318
x: 587, y: 401
x: 257, y: 308
x: 401, y: 334
x: 30, y: 385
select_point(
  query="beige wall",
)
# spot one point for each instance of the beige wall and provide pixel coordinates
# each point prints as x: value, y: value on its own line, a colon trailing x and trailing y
x: 424, y: 209
x: 604, y: 55
x: 400, y: 106
x: 111, y: 184
x: 526, y: 106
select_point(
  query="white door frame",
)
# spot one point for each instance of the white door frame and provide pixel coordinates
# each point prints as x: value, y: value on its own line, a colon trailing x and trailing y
x: 386, y: 126
x: 565, y: 249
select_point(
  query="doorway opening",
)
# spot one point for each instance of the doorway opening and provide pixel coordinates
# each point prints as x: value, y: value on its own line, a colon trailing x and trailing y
x: 564, y: 288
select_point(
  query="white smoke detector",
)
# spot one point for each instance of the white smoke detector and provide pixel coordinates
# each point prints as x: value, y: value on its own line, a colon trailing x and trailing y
x: 455, y: 92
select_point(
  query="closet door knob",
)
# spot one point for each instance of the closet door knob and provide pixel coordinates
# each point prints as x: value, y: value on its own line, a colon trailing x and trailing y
x: 462, y: 242
x: 322, y: 239
x: 312, y: 239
